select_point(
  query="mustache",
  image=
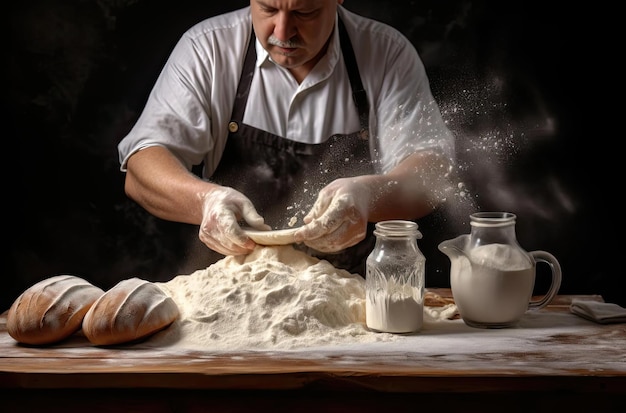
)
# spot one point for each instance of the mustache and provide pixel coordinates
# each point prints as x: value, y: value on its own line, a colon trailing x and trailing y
x: 291, y: 43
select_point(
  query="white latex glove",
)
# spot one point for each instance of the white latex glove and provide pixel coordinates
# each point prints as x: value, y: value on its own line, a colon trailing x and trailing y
x: 221, y: 211
x: 338, y: 219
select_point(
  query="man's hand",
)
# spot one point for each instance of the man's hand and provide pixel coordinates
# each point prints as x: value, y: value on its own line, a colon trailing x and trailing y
x: 221, y: 211
x: 338, y: 219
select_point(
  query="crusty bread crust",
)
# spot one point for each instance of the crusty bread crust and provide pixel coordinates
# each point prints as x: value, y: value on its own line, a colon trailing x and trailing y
x: 432, y: 299
x: 130, y: 311
x: 51, y: 310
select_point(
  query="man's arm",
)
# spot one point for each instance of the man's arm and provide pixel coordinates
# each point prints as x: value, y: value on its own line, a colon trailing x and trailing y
x: 343, y: 208
x: 161, y: 184
x: 411, y: 190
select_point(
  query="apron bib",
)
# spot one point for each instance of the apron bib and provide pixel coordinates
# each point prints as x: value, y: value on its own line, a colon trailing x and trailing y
x: 282, y: 177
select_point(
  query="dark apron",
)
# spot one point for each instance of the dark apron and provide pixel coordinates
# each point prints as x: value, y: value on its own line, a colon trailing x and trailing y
x: 282, y: 177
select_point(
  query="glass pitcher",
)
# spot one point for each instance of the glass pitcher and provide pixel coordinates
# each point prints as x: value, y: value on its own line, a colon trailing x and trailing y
x: 491, y: 276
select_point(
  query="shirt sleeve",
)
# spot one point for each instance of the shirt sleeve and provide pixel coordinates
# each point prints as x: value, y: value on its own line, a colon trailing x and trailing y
x: 177, y: 114
x: 407, y: 117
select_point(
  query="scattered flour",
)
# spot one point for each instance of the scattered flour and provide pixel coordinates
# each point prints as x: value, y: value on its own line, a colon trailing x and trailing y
x: 276, y: 297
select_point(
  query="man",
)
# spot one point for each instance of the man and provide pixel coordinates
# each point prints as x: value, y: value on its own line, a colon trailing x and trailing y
x: 293, y: 109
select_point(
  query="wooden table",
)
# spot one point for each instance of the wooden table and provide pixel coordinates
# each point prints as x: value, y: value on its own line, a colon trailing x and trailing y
x: 554, y: 359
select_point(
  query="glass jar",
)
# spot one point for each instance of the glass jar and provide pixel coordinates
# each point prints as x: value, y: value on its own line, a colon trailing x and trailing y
x: 394, y: 282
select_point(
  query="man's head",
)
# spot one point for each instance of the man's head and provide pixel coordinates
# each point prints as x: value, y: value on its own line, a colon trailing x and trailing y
x: 294, y: 32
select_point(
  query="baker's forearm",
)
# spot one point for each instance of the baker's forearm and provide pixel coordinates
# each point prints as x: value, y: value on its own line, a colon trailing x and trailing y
x: 157, y: 181
x: 411, y: 190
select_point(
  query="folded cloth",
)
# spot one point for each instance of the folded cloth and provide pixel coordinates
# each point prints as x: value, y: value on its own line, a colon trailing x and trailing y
x: 603, y: 313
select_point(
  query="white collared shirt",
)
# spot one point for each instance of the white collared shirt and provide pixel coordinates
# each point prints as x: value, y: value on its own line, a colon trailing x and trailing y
x: 191, y: 103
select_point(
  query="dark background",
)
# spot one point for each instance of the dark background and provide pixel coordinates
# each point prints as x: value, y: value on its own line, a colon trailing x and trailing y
x: 522, y: 85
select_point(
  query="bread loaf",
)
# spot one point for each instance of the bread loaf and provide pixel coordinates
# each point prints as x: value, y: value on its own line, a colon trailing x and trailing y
x: 130, y: 311
x: 51, y: 310
x: 432, y: 299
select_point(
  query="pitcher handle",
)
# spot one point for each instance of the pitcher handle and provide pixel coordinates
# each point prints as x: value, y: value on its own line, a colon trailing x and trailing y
x: 555, y: 267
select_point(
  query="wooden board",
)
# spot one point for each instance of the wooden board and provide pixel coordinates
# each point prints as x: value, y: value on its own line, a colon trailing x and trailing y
x: 552, y: 350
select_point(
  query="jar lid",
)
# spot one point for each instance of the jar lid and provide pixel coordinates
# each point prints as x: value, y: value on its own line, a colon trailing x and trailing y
x: 397, y: 228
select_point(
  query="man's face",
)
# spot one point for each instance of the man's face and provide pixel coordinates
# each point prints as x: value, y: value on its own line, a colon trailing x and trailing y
x: 294, y: 32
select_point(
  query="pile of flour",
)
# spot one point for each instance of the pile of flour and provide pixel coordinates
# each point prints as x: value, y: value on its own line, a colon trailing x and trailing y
x: 274, y: 298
